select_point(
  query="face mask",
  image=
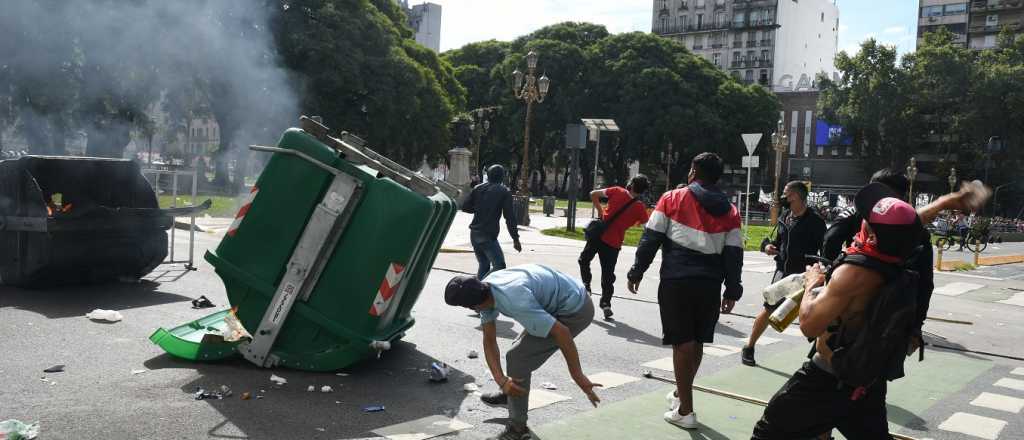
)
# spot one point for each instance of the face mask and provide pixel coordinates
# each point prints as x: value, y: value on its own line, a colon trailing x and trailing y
x: 784, y: 203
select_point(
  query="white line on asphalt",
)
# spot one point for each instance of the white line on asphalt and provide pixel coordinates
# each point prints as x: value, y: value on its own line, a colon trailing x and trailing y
x: 763, y: 340
x: 977, y: 426
x: 1018, y: 371
x: 964, y: 275
x: 610, y: 379
x: 999, y: 402
x: 664, y: 364
x: 422, y: 429
x: 540, y: 398
x: 719, y: 350
x: 956, y: 289
x: 1012, y: 384
x: 1016, y: 300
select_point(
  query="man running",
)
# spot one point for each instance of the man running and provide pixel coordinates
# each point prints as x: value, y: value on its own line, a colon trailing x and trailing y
x: 487, y: 202
x: 552, y: 307
x: 815, y: 399
x: 699, y: 233
x: 625, y: 209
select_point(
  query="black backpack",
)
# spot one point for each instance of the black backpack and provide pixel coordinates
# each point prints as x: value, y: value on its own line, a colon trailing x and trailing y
x: 877, y: 349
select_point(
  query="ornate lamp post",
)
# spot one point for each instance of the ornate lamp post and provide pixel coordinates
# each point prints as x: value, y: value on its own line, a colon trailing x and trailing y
x: 952, y: 180
x: 534, y: 91
x: 480, y: 126
x: 912, y: 174
x: 780, y: 140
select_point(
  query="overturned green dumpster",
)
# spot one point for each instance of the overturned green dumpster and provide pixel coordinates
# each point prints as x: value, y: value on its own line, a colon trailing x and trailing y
x: 325, y: 259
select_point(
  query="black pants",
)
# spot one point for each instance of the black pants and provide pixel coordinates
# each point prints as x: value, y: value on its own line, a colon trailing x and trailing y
x: 812, y: 403
x: 608, y: 256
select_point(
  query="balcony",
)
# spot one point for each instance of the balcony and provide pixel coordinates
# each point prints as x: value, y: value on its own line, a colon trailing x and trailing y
x: 717, y: 46
x: 751, y: 43
x: 984, y: 6
x: 766, y: 22
x: 680, y: 29
x: 1015, y: 26
x: 698, y: 47
x: 766, y: 43
x: 744, y: 4
x: 737, y: 44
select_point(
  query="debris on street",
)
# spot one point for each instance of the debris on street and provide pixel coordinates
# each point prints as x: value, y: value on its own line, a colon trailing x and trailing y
x: 55, y: 369
x: 470, y: 387
x: 278, y: 380
x: 17, y: 430
x: 342, y: 374
x: 138, y: 372
x: 311, y: 388
x: 326, y: 389
x: 202, y: 303
x: 373, y: 408
x: 473, y: 354
x: 104, y: 315
x: 549, y: 386
x: 235, y: 330
x: 439, y: 372
x: 246, y: 396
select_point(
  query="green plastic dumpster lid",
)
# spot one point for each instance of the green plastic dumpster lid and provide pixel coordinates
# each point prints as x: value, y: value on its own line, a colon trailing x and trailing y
x: 199, y: 340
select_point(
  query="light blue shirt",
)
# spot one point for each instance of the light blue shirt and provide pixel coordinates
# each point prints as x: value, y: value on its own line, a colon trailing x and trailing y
x: 533, y: 295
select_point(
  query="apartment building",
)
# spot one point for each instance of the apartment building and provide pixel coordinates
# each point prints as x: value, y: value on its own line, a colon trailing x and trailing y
x: 780, y: 44
x: 976, y: 24
x: 425, y: 21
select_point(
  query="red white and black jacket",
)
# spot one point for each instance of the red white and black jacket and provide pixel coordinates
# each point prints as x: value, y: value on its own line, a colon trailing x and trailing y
x: 699, y: 232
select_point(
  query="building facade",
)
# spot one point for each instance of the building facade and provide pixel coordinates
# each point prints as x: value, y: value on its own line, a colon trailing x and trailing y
x: 780, y: 44
x: 817, y: 151
x: 976, y: 24
x: 425, y: 21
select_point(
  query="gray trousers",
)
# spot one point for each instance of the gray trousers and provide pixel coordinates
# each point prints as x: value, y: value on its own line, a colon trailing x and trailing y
x: 529, y: 352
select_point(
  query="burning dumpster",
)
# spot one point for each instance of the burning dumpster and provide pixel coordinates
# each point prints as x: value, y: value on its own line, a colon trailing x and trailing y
x: 325, y: 259
x: 73, y: 220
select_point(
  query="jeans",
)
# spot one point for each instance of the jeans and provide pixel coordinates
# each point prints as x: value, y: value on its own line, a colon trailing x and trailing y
x: 608, y: 256
x: 488, y: 253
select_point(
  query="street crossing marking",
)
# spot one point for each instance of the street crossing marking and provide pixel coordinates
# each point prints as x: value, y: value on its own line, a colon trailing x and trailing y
x: 759, y: 269
x: 763, y: 340
x: 976, y: 426
x: 719, y: 350
x: 1016, y: 300
x: 1018, y: 371
x: 540, y: 398
x: 661, y: 364
x: 956, y: 288
x: 610, y: 380
x: 1012, y: 384
x: 794, y: 330
x: 422, y: 429
x: 999, y: 402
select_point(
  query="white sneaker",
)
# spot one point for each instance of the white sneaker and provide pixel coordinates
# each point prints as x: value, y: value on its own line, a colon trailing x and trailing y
x: 673, y: 400
x: 688, y: 421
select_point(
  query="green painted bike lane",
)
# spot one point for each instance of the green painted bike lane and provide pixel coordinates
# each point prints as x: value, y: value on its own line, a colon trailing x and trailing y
x: 939, y: 376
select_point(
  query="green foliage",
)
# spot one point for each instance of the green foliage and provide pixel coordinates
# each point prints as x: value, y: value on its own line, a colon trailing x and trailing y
x: 944, y: 99
x: 655, y: 89
x: 633, y: 235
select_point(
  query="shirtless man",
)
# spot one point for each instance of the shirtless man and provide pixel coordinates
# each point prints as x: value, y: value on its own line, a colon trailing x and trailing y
x: 814, y: 400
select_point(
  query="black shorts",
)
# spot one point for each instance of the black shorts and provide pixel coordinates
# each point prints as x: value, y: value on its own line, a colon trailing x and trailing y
x: 689, y: 310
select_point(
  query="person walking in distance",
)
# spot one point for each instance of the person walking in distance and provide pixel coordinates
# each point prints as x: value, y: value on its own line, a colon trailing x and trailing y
x: 800, y: 233
x: 553, y: 309
x: 701, y: 241
x: 488, y: 202
x: 625, y: 210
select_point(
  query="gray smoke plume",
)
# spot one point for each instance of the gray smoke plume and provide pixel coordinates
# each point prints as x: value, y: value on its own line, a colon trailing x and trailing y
x: 96, y: 66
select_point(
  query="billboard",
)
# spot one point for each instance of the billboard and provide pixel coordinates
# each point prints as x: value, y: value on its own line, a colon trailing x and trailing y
x: 828, y: 134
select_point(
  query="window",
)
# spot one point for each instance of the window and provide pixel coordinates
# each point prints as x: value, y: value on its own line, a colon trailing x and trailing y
x: 682, y: 20
x: 683, y: 4
x: 992, y: 20
x: 736, y: 58
x: 720, y: 19
x: 736, y: 74
x: 717, y: 59
x: 990, y: 41
x: 763, y: 77
x: 749, y: 76
x: 700, y: 3
x: 957, y: 9
x: 737, y: 20
x: 931, y: 11
x: 822, y: 17
x: 764, y: 55
x: 700, y: 21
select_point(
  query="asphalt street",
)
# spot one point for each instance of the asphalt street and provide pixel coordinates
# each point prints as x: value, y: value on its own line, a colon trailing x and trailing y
x: 118, y: 385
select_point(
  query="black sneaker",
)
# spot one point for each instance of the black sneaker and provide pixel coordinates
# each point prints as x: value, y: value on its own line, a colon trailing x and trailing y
x: 512, y: 433
x: 747, y: 357
x: 495, y: 398
x: 608, y: 313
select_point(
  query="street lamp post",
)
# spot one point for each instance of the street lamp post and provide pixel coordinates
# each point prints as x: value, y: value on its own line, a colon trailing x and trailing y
x: 779, y: 139
x: 480, y: 126
x: 533, y: 91
x: 912, y: 174
x: 952, y: 180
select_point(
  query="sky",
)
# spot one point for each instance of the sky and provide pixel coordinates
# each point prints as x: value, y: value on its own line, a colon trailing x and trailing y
x: 465, y: 21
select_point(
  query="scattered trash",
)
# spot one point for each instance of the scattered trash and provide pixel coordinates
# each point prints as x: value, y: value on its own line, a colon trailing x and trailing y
x: 439, y: 372
x: 373, y: 408
x: 277, y: 380
x: 549, y: 386
x: 470, y: 388
x: 342, y: 374
x: 473, y: 354
x: 104, y: 315
x: 203, y: 394
x: 321, y: 429
x: 55, y: 369
x: 380, y: 346
x: 326, y: 389
x: 18, y: 430
x: 235, y: 330
x: 137, y: 372
x: 246, y: 396
x: 202, y: 303
x: 51, y: 382
x: 311, y: 388
x: 225, y: 391
x: 648, y: 374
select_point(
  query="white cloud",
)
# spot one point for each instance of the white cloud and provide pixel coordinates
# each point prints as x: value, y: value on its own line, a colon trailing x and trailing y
x: 466, y: 21
x: 895, y: 30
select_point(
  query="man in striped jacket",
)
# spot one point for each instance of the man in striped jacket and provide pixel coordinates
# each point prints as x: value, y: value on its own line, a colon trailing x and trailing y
x: 699, y: 233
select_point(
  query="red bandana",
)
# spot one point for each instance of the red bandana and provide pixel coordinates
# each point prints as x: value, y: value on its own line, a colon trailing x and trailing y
x: 863, y: 245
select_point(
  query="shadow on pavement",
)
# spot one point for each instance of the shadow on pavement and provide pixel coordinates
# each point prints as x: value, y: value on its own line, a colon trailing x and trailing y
x: 625, y: 331
x: 504, y: 329
x: 65, y: 302
x: 395, y: 381
x: 904, y: 418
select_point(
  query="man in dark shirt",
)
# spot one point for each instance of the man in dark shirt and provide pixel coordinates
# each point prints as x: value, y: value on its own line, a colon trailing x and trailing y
x: 841, y: 234
x: 488, y: 202
x: 800, y: 232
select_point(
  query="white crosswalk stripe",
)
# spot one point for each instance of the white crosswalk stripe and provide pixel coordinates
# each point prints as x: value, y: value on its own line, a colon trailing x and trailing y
x: 973, y: 425
x: 1013, y: 384
x: 956, y: 289
x: 999, y: 402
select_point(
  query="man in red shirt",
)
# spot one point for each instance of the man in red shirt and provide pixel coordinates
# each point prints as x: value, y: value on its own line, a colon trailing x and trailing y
x: 607, y: 248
